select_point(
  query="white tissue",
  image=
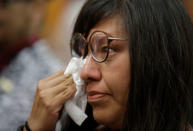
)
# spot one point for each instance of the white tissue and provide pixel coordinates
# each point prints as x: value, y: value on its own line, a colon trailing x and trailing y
x: 75, y: 107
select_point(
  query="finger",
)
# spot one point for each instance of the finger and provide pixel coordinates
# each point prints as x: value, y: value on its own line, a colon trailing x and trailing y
x: 58, y: 80
x: 61, y: 98
x: 61, y: 87
x: 50, y: 93
x: 60, y: 72
x: 46, y: 94
x: 58, y: 102
x: 69, y: 81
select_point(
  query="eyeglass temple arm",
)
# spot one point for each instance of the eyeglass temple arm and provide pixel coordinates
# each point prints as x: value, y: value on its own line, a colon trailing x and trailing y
x: 114, y: 38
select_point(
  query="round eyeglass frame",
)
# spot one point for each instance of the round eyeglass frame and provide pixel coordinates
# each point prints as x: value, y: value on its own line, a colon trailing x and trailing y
x: 88, y: 45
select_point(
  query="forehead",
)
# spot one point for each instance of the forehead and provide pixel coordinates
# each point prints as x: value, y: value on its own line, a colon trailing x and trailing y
x: 114, y: 26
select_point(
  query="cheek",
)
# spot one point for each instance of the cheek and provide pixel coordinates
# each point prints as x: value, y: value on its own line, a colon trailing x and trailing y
x: 118, y: 79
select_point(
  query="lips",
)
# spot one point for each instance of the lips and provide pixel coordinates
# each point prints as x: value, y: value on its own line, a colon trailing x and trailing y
x: 94, y: 96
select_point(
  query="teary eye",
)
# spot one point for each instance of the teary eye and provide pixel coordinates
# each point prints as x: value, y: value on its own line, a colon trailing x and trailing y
x: 105, y: 49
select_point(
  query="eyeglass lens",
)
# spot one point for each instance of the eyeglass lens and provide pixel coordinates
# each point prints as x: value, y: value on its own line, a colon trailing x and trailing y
x: 98, y: 45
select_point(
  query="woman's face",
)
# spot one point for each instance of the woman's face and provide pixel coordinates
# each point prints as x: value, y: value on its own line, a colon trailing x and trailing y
x: 108, y: 82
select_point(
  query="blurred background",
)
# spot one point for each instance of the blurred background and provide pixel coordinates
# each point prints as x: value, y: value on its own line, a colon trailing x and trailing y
x: 34, y: 43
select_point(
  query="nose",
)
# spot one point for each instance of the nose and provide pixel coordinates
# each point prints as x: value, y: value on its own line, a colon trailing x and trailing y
x: 90, y: 70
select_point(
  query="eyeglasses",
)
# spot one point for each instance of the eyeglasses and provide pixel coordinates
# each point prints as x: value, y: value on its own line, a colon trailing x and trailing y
x: 98, y: 45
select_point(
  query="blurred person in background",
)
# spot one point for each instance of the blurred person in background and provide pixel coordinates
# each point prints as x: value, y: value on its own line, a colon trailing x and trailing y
x: 24, y: 58
x: 34, y: 42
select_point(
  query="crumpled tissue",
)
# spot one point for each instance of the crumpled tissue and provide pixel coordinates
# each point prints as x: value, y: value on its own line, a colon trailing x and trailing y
x: 75, y: 107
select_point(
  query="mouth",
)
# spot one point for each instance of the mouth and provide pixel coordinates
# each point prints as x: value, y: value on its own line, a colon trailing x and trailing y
x: 95, y: 96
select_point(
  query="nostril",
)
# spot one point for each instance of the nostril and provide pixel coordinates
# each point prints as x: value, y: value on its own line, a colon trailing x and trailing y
x: 89, y: 80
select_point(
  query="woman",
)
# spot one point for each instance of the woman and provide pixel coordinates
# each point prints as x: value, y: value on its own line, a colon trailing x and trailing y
x: 139, y: 68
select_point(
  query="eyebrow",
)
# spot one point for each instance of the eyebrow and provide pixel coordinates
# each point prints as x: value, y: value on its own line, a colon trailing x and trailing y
x: 110, y: 37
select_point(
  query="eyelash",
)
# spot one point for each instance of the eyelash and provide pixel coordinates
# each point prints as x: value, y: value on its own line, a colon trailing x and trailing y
x: 105, y: 48
x: 110, y: 48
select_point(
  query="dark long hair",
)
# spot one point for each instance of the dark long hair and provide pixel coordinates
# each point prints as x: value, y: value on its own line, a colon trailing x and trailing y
x: 161, y: 53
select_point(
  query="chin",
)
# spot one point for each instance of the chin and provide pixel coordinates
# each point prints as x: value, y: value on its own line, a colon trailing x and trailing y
x: 106, y: 118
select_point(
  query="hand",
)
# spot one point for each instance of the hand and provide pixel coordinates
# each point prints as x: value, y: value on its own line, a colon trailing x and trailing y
x: 51, y: 94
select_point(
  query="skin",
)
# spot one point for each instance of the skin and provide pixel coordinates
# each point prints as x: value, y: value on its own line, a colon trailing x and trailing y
x: 51, y: 94
x: 108, y: 82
